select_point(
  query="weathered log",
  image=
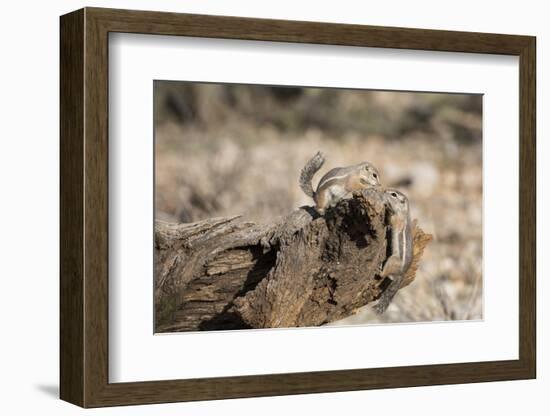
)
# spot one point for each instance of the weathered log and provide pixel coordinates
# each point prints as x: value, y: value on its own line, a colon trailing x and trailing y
x: 299, y: 270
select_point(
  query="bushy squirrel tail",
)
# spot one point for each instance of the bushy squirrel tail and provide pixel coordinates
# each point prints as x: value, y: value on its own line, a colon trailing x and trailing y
x: 387, y: 295
x: 308, y: 171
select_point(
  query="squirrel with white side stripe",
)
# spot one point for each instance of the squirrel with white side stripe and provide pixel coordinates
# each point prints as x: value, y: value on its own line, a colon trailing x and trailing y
x: 338, y: 183
x: 401, y: 244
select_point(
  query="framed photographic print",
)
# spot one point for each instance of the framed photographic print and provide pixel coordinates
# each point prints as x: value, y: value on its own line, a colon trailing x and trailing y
x: 256, y: 207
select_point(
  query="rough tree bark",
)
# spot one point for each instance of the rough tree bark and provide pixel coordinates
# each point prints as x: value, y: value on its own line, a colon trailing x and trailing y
x: 299, y: 270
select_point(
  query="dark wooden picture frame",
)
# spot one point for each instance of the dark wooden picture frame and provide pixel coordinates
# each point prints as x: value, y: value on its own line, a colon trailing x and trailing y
x: 84, y: 207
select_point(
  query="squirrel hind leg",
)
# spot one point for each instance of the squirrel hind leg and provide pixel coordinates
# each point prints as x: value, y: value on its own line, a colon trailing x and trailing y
x: 320, y: 201
x: 325, y: 198
x: 328, y: 197
x: 392, y: 266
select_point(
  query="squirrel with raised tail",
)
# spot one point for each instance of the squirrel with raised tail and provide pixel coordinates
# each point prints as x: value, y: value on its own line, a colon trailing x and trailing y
x: 401, y: 244
x: 338, y: 183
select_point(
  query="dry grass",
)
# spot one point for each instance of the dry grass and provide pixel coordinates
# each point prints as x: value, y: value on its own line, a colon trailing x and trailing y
x: 243, y: 155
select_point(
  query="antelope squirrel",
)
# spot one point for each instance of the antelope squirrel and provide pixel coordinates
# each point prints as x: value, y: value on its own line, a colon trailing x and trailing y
x: 400, y: 259
x: 338, y: 183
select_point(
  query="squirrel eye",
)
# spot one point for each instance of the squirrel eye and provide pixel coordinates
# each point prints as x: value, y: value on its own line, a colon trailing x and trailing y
x: 394, y: 194
x: 375, y: 175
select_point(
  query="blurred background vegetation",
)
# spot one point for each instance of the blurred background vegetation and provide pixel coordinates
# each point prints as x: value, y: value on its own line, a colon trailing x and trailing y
x: 224, y: 149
